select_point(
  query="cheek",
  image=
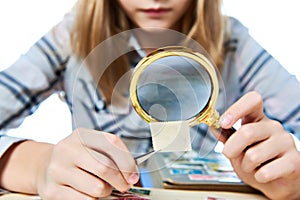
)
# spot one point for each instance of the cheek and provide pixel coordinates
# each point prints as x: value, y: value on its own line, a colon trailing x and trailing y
x: 127, y: 7
x: 183, y: 7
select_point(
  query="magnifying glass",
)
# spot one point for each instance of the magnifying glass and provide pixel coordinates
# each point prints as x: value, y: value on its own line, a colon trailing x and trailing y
x: 175, y: 83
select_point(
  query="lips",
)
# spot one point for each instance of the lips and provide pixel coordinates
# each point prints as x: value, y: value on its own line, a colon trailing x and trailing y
x: 156, y: 12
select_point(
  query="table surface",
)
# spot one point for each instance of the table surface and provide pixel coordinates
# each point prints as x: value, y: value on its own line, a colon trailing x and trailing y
x: 167, y: 194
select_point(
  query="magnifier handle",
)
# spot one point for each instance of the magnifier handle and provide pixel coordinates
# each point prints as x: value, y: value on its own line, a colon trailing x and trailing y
x: 224, y: 134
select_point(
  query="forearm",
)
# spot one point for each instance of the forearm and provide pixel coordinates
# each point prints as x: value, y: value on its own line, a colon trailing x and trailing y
x: 20, y: 165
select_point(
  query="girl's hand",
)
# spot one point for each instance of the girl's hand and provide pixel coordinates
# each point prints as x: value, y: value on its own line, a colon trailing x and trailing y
x: 262, y: 153
x: 86, y: 165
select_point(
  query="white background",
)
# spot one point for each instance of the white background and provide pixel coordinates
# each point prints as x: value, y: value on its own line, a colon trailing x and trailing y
x: 273, y: 23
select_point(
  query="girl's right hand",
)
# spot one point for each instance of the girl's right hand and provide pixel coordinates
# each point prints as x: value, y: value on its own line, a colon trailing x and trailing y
x: 86, y: 165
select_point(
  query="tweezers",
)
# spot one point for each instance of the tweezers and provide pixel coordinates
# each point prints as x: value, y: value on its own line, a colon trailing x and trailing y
x: 141, y: 158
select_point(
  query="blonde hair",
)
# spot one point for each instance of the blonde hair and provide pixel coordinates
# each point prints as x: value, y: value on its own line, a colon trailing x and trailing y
x: 97, y: 20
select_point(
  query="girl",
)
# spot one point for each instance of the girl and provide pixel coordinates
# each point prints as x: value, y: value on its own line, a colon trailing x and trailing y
x: 97, y: 155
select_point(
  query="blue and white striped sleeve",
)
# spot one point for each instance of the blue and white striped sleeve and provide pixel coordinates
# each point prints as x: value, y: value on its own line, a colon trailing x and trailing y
x: 32, y: 78
x: 260, y: 71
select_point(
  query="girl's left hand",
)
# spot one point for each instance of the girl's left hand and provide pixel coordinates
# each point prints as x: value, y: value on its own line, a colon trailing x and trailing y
x: 261, y: 152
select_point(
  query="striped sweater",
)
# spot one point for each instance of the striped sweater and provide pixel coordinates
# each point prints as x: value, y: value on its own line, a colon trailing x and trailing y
x: 49, y: 67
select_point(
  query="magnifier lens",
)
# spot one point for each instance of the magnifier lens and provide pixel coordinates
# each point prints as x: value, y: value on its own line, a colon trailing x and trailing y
x: 174, y: 88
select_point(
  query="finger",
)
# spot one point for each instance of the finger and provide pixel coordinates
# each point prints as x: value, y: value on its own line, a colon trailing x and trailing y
x: 250, y: 105
x: 246, y: 136
x: 261, y: 153
x: 85, y: 182
x: 64, y: 192
x: 104, y: 168
x: 115, y: 149
x: 281, y: 167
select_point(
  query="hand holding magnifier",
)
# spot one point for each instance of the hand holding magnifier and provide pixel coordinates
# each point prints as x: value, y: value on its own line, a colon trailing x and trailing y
x: 177, y: 84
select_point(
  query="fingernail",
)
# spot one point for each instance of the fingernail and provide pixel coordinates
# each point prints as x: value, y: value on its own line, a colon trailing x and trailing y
x: 225, y: 120
x: 133, y: 178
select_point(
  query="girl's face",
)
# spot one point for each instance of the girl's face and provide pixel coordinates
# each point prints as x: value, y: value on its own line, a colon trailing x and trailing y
x: 155, y: 13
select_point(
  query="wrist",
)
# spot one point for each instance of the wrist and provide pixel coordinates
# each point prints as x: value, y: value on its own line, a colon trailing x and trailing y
x: 21, y: 164
x: 41, y: 166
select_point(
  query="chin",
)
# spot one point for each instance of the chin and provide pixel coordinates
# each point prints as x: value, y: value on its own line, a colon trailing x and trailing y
x: 155, y: 25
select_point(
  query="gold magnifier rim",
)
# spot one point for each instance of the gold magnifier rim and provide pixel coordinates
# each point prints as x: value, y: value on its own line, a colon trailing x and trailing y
x: 174, y: 51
